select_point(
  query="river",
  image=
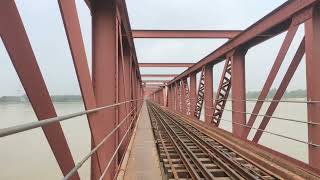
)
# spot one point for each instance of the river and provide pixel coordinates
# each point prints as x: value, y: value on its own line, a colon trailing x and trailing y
x: 27, y: 155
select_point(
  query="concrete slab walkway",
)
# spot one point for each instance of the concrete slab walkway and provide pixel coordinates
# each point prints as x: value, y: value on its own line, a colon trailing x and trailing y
x: 143, y: 162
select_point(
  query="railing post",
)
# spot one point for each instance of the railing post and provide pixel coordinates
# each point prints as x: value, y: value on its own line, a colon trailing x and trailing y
x: 238, y: 92
x: 104, y: 42
x: 208, y: 94
x: 312, y: 38
x: 193, y: 93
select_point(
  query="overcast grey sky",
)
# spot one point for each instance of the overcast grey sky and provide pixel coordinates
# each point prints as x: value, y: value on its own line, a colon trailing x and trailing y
x: 44, y: 26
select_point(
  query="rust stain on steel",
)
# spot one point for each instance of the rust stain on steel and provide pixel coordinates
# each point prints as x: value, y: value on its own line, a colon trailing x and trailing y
x: 21, y: 54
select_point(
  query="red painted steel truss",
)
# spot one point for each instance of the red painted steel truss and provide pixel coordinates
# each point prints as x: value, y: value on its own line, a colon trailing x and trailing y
x: 288, y: 17
x: 222, y: 93
x: 113, y: 49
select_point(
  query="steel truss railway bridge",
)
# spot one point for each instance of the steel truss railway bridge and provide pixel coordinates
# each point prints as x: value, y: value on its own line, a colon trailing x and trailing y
x: 169, y: 129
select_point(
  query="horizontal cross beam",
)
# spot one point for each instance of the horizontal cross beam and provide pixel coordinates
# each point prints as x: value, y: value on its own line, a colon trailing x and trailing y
x: 165, y: 64
x: 157, y: 81
x: 159, y: 75
x: 184, y: 33
x: 273, y: 23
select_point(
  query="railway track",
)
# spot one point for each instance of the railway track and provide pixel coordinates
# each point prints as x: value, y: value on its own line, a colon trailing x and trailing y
x: 187, y: 153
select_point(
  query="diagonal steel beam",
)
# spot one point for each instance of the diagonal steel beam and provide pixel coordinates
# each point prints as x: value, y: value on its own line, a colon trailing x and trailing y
x: 222, y: 92
x: 271, y: 77
x: 16, y: 41
x: 281, y: 90
x: 274, y: 23
x: 200, y: 95
x: 72, y: 27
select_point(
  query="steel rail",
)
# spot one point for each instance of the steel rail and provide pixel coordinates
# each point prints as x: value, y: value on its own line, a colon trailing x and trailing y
x: 265, y: 166
x: 216, y: 159
x: 204, y: 171
x: 80, y: 163
x: 237, y: 169
x: 276, y: 134
x: 28, y: 126
x: 226, y: 158
x: 173, y: 169
x: 185, y: 160
x: 216, y: 150
x: 262, y: 115
x: 117, y: 149
x: 231, y: 162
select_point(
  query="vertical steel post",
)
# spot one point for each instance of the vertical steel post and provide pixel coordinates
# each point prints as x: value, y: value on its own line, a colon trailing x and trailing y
x: 193, y: 93
x: 161, y: 97
x: 73, y: 31
x: 312, y: 38
x: 135, y: 95
x: 183, y: 98
x: 180, y: 96
x: 238, y: 92
x: 169, y: 98
x: 104, y: 42
x: 208, y: 94
x: 174, y: 98
x: 122, y: 88
x: 127, y: 66
x: 176, y: 89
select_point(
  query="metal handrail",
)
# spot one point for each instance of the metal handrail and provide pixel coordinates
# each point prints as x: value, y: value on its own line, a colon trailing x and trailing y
x: 28, y: 126
x: 80, y: 163
x: 116, y: 151
x: 276, y: 134
x: 258, y: 100
x: 262, y: 115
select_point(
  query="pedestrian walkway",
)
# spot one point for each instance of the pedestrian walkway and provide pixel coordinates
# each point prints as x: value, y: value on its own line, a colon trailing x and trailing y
x: 143, y: 163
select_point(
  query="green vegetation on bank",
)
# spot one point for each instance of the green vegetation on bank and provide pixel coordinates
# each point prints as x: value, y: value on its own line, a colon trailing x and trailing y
x: 77, y: 98
x: 288, y: 94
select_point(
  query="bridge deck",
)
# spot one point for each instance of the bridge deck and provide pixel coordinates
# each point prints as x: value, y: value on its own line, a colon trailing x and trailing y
x: 143, y: 162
